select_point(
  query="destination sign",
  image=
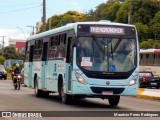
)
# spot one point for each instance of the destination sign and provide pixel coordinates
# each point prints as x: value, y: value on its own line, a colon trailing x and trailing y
x: 107, y: 30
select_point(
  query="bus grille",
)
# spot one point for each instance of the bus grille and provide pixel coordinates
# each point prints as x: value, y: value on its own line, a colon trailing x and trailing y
x: 102, y: 89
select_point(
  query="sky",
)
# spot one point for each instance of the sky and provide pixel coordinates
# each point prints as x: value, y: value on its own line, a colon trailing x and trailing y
x: 16, y: 15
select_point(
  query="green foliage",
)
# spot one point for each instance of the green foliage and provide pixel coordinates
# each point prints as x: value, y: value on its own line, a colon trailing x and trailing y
x: 145, y: 15
x: 2, y: 59
x: 10, y: 53
x: 147, y: 44
x: 155, y: 25
x: 62, y: 19
x: 122, y: 14
x: 21, y: 65
x: 142, y: 31
x: 8, y: 69
x: 150, y: 43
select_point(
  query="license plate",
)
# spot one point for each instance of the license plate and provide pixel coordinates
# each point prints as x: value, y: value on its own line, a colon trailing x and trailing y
x: 153, y: 83
x: 107, y: 93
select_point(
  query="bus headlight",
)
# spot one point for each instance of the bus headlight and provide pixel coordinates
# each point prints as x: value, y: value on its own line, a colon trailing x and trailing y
x: 80, y: 78
x: 133, y: 81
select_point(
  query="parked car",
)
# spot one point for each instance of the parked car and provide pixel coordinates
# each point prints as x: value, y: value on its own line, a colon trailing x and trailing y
x: 147, y: 79
x: 3, y: 73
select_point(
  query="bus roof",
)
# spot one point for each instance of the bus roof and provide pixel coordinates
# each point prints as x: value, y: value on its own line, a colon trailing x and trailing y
x: 150, y: 51
x: 70, y: 26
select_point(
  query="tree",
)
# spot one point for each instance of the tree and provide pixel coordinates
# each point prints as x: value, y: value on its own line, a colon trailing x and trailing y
x: 62, y: 19
x: 144, y: 10
x: 155, y: 26
x: 142, y: 31
x: 2, y: 59
x: 122, y: 14
x: 107, y: 11
x: 146, y: 44
x: 10, y: 52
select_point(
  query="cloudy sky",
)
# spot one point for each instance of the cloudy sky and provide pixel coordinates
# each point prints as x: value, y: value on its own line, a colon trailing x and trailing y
x: 16, y: 15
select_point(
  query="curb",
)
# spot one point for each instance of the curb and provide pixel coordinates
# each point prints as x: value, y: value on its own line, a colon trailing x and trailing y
x: 140, y: 95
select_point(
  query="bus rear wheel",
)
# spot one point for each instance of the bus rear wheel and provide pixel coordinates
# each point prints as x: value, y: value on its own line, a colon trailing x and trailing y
x: 114, y: 101
x: 38, y: 93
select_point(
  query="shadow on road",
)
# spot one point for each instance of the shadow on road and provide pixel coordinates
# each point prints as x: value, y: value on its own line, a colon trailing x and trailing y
x: 84, y: 103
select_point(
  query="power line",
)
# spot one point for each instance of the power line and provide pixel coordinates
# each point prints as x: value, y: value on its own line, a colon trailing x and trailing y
x: 20, y: 9
x: 32, y: 28
x: 17, y: 5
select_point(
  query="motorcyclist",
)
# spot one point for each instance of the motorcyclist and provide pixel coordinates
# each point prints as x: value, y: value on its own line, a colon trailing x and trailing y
x: 17, y: 70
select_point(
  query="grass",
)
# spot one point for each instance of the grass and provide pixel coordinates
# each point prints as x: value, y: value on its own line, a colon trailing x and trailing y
x: 9, y: 76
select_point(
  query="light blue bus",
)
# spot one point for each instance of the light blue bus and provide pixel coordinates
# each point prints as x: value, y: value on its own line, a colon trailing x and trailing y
x: 84, y: 59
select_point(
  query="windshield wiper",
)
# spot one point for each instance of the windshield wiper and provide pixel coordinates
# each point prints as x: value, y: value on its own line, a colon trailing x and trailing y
x: 112, y: 52
x: 98, y: 43
x: 117, y: 44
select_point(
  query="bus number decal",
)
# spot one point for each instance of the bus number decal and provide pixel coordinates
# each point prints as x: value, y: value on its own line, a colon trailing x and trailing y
x: 60, y: 66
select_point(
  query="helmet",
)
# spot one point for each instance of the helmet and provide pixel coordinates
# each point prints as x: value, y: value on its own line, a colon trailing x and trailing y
x: 17, y: 65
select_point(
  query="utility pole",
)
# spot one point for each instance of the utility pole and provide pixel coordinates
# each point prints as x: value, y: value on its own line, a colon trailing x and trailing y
x: 32, y: 28
x: 3, y: 44
x: 44, y: 15
x: 130, y: 13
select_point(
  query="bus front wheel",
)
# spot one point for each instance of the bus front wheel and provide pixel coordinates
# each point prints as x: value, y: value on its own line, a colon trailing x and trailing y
x: 114, y: 101
x: 66, y: 99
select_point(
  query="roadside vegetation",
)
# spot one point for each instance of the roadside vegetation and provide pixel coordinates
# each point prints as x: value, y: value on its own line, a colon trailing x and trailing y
x: 144, y: 14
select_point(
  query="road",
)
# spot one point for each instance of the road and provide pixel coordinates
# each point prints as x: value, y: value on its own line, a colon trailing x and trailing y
x: 24, y: 100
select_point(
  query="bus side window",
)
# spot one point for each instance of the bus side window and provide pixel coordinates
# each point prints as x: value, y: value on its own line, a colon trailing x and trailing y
x: 147, y: 59
x: 158, y: 58
x: 61, y: 46
x: 69, y: 56
x: 53, y: 42
x: 27, y: 52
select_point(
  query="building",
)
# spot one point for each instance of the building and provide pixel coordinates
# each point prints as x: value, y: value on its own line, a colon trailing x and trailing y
x: 19, y: 44
x: 38, y: 26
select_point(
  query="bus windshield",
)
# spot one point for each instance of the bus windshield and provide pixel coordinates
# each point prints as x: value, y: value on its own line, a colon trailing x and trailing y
x: 106, y: 54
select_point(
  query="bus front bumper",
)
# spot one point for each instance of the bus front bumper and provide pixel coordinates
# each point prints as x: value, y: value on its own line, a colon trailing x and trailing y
x: 93, y: 90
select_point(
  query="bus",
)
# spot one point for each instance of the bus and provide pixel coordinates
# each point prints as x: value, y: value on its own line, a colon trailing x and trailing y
x: 84, y: 59
x: 150, y: 62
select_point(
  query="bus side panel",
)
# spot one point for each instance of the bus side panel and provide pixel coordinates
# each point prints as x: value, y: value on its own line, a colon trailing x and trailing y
x: 43, y: 73
x: 51, y: 76
x: 26, y: 73
x: 37, y: 68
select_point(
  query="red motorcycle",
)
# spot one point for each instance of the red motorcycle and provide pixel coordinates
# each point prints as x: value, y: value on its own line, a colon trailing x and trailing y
x: 17, y: 81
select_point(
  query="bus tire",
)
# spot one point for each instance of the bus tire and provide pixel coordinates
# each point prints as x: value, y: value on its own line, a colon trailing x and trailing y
x: 45, y: 94
x: 65, y: 98
x: 114, y: 101
x: 38, y: 93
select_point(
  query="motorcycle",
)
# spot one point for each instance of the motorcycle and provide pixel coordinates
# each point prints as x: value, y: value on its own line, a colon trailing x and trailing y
x: 17, y: 82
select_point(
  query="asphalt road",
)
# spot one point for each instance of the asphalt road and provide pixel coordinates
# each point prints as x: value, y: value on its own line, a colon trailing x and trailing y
x: 24, y: 100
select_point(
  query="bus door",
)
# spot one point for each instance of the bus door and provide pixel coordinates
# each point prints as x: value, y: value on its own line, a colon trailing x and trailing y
x: 44, y: 64
x: 30, y: 66
x: 69, y: 60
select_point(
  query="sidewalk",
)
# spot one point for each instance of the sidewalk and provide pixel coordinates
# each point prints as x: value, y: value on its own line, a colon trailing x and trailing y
x: 149, y: 93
